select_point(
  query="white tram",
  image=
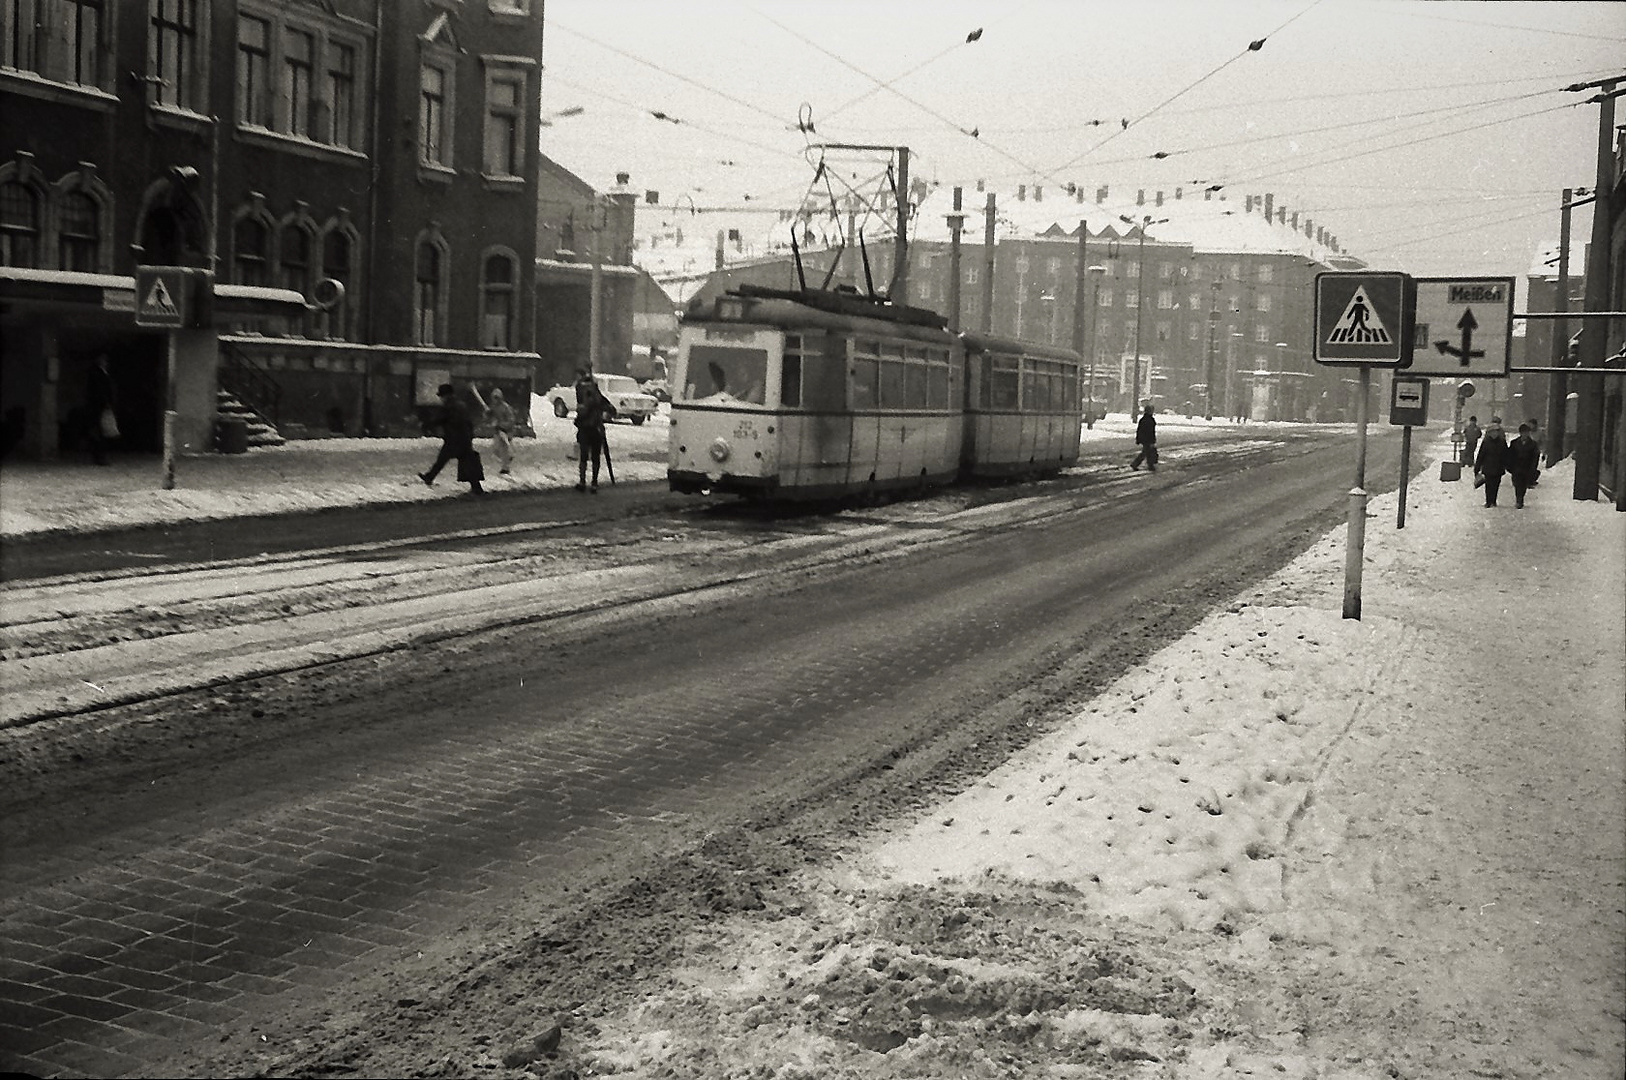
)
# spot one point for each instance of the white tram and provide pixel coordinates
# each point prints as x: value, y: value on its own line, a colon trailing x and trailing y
x: 815, y: 394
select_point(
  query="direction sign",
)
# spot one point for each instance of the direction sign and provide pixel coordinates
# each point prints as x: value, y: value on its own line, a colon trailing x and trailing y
x: 1363, y: 318
x: 1464, y: 327
x: 160, y: 296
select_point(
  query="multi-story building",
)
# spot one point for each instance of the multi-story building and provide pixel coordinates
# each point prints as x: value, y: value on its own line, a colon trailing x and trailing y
x: 360, y: 177
x: 1199, y: 290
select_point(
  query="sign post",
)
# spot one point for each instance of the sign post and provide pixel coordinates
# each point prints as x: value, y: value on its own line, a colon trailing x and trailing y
x: 164, y: 300
x: 1362, y: 320
x: 1409, y: 407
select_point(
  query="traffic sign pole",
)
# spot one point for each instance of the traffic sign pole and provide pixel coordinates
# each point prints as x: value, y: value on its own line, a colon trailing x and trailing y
x: 1405, y: 474
x: 1355, y: 546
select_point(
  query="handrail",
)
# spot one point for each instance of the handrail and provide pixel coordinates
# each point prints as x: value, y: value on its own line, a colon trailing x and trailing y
x: 251, y: 383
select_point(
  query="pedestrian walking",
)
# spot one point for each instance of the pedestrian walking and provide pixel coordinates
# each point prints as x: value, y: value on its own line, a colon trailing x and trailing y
x: 502, y: 424
x: 593, y: 409
x: 1523, y: 457
x: 1470, y: 441
x: 456, y: 442
x: 1491, y: 461
x: 101, y: 409
x: 1146, y: 439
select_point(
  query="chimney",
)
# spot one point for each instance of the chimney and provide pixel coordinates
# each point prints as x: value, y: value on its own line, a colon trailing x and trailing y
x: 1078, y: 194
x: 1320, y: 235
x: 1295, y: 224
x: 1281, y: 215
x: 1270, y: 206
x: 1178, y: 192
x: 1160, y: 198
x: 1250, y: 204
x: 1100, y: 194
x: 1038, y: 193
x: 1208, y: 194
x: 1140, y: 197
x: 720, y: 249
x: 980, y: 185
x: 1021, y: 193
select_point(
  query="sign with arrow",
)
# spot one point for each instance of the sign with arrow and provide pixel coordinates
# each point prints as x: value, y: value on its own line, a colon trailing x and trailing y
x: 1464, y: 327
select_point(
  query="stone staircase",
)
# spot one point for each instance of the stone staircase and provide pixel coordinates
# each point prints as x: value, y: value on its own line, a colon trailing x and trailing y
x: 261, y: 432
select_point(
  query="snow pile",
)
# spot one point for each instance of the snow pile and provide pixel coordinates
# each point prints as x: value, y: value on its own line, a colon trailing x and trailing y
x: 1173, y: 791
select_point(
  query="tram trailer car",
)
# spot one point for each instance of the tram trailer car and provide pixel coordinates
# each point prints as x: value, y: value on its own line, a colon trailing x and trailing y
x: 826, y: 395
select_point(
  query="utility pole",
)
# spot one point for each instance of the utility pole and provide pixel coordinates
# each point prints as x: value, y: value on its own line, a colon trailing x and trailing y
x: 900, y: 273
x: 1213, y: 344
x: 1589, y: 387
x: 595, y: 292
x: 988, y: 266
x: 956, y: 221
x: 1558, y: 386
x: 1078, y: 290
x: 1140, y: 300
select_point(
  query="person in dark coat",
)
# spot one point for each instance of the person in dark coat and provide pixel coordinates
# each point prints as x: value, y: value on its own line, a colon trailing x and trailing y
x: 456, y: 441
x: 1491, y: 461
x: 1470, y: 440
x: 1146, y: 439
x: 593, y: 410
x: 99, y: 400
x: 1523, y: 462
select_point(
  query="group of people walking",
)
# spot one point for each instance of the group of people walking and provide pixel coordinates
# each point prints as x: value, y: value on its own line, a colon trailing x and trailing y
x: 1493, y: 456
x: 456, y: 426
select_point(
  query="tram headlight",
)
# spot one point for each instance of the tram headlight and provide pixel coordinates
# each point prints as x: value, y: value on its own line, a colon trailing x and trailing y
x: 720, y: 450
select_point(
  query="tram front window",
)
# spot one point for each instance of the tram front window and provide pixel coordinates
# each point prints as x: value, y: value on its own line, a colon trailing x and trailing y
x: 725, y: 373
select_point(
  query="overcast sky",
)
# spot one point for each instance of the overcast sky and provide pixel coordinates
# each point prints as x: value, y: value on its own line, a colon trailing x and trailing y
x: 1432, y: 137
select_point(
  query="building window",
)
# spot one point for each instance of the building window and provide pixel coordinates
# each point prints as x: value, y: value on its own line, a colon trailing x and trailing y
x: 1262, y: 303
x: 434, y: 138
x: 510, y: 7
x: 1164, y: 331
x: 1265, y: 273
x: 1196, y: 332
x: 337, y: 258
x: 971, y: 275
x: 1106, y: 298
x: 1131, y: 298
x: 298, y: 81
x: 1165, y: 299
x: 250, y: 245
x: 253, y: 71
x: 1261, y: 333
x: 294, y: 258
x: 429, y: 293
x: 505, y: 123
x: 60, y: 40
x: 172, y: 54
x: 497, y: 301
x: 1165, y: 271
x: 341, y: 93
x: 19, y: 225
x: 79, y: 233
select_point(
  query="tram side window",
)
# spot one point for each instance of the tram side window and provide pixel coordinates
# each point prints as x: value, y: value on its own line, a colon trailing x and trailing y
x: 824, y: 375
x: 790, y: 380
x: 893, y: 382
x: 937, y: 385
x: 865, y: 379
x: 1004, y: 382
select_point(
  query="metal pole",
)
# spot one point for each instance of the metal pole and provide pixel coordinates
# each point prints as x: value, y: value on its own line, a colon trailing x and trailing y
x: 956, y: 221
x: 1589, y: 388
x: 1208, y: 375
x: 172, y: 365
x: 900, y: 273
x: 595, y: 293
x: 988, y: 266
x: 1355, y: 545
x: 1558, y: 386
x: 1140, y: 308
x: 1405, y: 474
x: 1080, y: 272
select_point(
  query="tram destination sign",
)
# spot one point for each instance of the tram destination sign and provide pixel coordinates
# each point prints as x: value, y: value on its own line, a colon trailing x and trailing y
x: 1363, y: 319
x: 1464, y: 327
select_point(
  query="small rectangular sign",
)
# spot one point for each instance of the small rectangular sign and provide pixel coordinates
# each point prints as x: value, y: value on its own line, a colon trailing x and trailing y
x: 1363, y: 319
x: 161, y: 296
x: 1408, y: 402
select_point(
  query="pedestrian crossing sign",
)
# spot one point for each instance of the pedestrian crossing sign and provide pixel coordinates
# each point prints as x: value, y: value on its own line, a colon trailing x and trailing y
x: 1364, y: 318
x: 161, y: 296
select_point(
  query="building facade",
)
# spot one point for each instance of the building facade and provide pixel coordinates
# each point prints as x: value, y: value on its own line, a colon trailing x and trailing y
x: 358, y: 176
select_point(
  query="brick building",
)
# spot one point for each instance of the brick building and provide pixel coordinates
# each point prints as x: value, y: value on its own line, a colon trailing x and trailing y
x: 359, y: 175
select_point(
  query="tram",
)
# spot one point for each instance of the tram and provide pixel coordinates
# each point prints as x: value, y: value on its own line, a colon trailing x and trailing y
x: 817, y: 394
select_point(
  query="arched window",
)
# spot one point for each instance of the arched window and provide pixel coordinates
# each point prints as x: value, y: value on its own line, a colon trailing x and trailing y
x: 19, y: 225
x: 294, y: 256
x: 251, y: 252
x: 338, y: 254
x: 429, y: 291
x: 79, y: 233
x: 497, y: 300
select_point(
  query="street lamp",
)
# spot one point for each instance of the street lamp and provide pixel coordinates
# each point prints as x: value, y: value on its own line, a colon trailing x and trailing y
x: 1096, y: 272
x: 1145, y: 223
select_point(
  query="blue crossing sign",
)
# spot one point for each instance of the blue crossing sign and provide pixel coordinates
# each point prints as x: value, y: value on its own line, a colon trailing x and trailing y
x: 1364, y: 318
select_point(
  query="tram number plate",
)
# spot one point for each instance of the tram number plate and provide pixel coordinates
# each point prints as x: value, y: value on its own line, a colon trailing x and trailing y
x: 745, y: 429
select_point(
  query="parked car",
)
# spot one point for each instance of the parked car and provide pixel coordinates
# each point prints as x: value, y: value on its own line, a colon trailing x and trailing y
x: 630, y: 402
x: 657, y: 389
